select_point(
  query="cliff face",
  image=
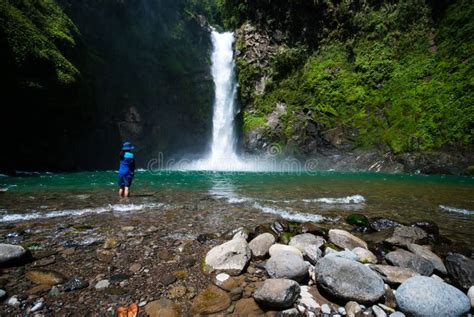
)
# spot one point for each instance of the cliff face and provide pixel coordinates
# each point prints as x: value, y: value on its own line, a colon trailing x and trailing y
x: 80, y: 77
x: 338, y: 79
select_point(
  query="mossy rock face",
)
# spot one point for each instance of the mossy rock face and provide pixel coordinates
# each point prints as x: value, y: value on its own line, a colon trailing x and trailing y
x: 285, y: 237
x: 357, y: 220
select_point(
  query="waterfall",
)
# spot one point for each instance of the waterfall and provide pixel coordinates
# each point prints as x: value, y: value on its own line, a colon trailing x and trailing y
x: 224, y: 140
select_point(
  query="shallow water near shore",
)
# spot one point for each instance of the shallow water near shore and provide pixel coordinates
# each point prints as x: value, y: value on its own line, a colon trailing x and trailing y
x: 219, y: 201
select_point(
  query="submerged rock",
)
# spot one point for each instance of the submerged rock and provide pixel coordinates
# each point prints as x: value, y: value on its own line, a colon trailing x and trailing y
x: 211, y: 300
x: 286, y: 265
x: 230, y: 257
x: 261, y: 244
x: 410, y: 261
x: 425, y: 296
x: 45, y: 277
x: 461, y: 268
x: 357, y: 220
x: 10, y: 253
x: 162, y: 307
x: 430, y: 256
x: 403, y: 236
x: 349, y: 280
x: 277, y: 293
x: 345, y: 240
x: 379, y: 224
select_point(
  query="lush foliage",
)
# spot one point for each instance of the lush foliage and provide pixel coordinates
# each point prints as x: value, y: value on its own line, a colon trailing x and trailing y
x: 398, y: 74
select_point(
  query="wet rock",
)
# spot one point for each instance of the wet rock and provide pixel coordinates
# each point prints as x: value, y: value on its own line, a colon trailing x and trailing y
x: 75, y: 283
x: 470, y: 294
x: 353, y: 309
x: 379, y: 224
x: 103, y: 284
x: 261, y: 244
x: 312, y: 253
x: 394, y: 274
x: 225, y: 281
x: 403, y: 236
x: 364, y: 255
x: 424, y: 296
x: 349, y: 280
x: 461, y: 268
x: 168, y: 279
x: 277, y: 248
x: 240, y: 232
x: 410, y: 261
x: 280, y: 225
x: 345, y: 240
x: 357, y: 220
x: 10, y: 253
x: 45, y: 277
x: 286, y: 265
x: 230, y: 257
x: 162, y: 307
x: 206, y: 237
x: 311, y: 227
x: 247, y: 307
x: 430, y: 256
x: 277, y: 293
x: 303, y: 240
x: 211, y: 300
x: 427, y: 225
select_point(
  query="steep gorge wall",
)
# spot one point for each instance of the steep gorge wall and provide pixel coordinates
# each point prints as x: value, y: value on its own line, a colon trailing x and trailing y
x: 385, y: 81
x: 79, y: 77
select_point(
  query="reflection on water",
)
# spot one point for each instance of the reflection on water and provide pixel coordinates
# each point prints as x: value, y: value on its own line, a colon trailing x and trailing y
x: 247, y: 197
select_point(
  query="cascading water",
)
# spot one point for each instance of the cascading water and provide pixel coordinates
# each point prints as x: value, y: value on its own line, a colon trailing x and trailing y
x: 223, y: 155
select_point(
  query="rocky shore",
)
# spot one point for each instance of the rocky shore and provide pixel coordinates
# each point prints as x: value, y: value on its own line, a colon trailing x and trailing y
x: 354, y: 267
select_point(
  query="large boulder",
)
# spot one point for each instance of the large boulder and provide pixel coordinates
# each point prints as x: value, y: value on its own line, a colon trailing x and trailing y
x: 261, y: 244
x: 303, y: 240
x: 425, y: 296
x: 345, y: 240
x: 349, y: 280
x: 230, y: 257
x: 430, y: 256
x: 461, y: 268
x: 410, y: 261
x: 10, y: 253
x: 211, y: 300
x: 394, y: 274
x: 287, y: 265
x: 277, y: 293
x: 403, y: 236
x: 364, y: 255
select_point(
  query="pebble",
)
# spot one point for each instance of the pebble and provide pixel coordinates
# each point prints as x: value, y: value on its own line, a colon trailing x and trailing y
x: 341, y: 310
x: 135, y: 267
x: 13, y: 301
x: 103, y: 284
x: 470, y: 294
x: 2, y: 293
x: 379, y: 312
x: 38, y: 306
x: 325, y: 309
x: 143, y: 303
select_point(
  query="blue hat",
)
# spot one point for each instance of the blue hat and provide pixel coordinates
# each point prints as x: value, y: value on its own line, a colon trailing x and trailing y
x: 127, y: 146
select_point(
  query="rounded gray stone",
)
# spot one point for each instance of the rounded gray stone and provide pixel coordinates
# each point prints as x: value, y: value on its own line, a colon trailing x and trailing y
x: 286, y: 265
x: 425, y: 296
x: 303, y: 240
x: 230, y: 257
x: 349, y: 280
x: 261, y: 244
x: 10, y: 253
x: 277, y: 293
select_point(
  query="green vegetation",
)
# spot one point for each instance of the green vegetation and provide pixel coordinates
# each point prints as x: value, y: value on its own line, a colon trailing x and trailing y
x: 38, y: 33
x: 399, y: 74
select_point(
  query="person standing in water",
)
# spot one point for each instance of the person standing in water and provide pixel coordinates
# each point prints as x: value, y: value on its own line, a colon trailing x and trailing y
x: 127, y: 169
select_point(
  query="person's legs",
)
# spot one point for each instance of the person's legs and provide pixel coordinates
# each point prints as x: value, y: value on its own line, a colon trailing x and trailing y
x: 126, y: 192
x: 121, y: 191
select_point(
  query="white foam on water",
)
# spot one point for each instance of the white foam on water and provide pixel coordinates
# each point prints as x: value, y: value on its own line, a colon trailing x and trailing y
x: 78, y: 212
x: 457, y: 210
x: 355, y: 199
x: 290, y: 215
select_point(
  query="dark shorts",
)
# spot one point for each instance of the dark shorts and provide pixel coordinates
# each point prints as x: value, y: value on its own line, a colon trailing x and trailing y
x: 125, y: 180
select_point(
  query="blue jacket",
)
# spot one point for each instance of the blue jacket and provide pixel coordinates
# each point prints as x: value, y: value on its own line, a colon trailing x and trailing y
x: 127, y: 164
